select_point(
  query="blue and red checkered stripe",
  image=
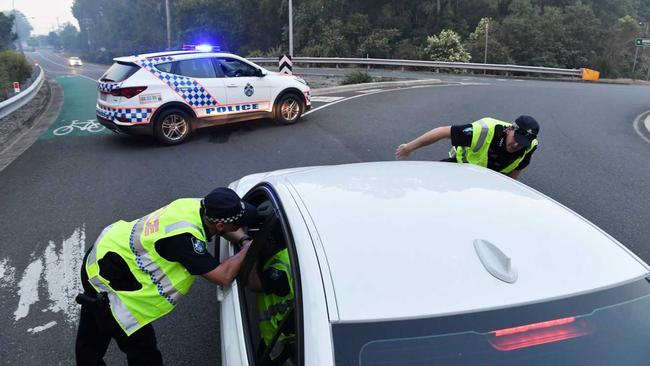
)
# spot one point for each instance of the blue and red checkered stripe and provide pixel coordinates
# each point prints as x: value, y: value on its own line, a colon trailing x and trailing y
x: 189, y: 89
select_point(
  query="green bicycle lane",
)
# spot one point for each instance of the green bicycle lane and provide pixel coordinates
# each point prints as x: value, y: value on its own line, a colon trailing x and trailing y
x: 77, y: 116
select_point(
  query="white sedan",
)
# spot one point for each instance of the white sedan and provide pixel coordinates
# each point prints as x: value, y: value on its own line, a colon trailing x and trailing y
x: 75, y: 61
x: 423, y: 263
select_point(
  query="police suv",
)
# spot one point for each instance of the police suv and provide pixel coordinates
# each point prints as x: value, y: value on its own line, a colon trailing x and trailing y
x: 169, y: 94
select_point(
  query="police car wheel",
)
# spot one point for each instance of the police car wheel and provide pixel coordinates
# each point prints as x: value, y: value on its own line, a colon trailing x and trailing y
x: 289, y: 109
x: 172, y: 127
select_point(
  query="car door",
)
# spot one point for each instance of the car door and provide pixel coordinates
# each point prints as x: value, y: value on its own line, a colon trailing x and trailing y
x: 241, y: 337
x: 202, y: 88
x: 247, y: 92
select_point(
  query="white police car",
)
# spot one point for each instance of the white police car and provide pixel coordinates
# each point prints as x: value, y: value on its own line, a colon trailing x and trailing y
x: 169, y: 94
x: 424, y: 263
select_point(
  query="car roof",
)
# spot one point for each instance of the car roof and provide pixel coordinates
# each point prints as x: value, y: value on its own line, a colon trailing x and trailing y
x: 398, y: 239
x: 177, y: 55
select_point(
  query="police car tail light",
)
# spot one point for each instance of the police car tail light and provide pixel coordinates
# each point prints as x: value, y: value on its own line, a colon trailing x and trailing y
x: 535, y: 334
x: 128, y: 93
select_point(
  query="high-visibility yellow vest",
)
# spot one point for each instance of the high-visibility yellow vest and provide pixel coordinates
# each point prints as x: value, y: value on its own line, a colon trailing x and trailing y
x: 273, y: 308
x: 482, y: 135
x: 163, y: 282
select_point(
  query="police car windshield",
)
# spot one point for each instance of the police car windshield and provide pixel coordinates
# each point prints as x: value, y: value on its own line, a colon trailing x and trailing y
x: 119, y: 72
x: 609, y: 327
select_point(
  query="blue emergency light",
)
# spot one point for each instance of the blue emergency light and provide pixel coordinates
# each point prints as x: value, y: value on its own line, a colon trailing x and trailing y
x: 200, y: 48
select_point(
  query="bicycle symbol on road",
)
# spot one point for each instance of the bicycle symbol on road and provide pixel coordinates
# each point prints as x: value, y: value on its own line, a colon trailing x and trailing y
x: 90, y: 126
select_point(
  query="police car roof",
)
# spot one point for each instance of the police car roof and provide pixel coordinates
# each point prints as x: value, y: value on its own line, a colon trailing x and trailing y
x: 398, y: 239
x: 175, y: 54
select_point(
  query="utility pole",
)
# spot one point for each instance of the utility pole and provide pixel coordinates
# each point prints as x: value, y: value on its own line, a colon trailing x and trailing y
x: 290, y: 28
x: 169, y: 34
x: 487, y: 30
x: 636, y: 52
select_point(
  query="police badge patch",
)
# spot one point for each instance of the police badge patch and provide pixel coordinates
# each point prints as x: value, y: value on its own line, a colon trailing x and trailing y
x: 199, y: 246
x: 249, y: 90
x: 467, y: 131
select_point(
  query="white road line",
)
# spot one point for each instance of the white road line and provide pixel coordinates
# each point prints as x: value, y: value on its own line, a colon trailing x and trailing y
x: 58, y: 267
x: 325, y: 99
x: 7, y: 273
x: 41, y: 327
x: 52, y: 62
x: 646, y: 124
x: 368, y: 91
x: 386, y: 91
x: 28, y: 288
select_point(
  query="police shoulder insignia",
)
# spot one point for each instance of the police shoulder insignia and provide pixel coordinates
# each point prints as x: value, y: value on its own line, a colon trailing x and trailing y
x: 199, y: 246
x: 467, y: 131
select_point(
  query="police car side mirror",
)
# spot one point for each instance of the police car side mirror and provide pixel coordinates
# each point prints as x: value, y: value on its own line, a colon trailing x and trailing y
x: 259, y: 73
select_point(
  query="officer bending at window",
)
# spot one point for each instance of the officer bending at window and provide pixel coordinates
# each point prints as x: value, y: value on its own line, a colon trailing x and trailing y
x: 488, y: 142
x: 272, y: 281
x: 138, y: 271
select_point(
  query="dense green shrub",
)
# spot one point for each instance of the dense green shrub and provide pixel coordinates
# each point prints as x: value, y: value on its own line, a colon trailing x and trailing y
x: 13, y: 67
x: 357, y: 77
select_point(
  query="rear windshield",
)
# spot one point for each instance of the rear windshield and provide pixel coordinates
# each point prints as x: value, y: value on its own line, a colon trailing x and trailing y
x: 120, y: 71
x: 610, y: 327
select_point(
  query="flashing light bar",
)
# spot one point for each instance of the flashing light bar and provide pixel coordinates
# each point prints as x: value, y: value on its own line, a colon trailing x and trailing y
x: 535, y: 334
x: 200, y: 48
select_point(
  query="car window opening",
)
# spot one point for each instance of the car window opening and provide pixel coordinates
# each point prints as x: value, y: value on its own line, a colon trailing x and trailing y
x: 268, y: 299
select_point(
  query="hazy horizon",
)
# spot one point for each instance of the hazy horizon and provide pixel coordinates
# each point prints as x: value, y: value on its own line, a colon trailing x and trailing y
x: 43, y: 14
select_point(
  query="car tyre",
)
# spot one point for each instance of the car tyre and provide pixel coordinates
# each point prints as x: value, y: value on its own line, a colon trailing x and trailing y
x: 172, y: 126
x: 289, y: 109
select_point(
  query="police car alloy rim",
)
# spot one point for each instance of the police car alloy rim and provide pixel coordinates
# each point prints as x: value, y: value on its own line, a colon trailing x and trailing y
x: 174, y: 127
x: 290, y: 109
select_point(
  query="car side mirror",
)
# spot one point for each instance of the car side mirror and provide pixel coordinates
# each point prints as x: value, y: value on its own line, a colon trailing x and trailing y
x: 259, y: 73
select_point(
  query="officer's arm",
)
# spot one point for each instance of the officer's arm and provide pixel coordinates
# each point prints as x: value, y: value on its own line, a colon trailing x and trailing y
x: 439, y: 133
x: 226, y: 272
x: 514, y: 174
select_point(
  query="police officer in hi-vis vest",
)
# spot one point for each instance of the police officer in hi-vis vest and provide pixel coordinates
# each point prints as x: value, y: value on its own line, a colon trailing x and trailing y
x: 272, y: 281
x: 498, y: 145
x: 137, y: 271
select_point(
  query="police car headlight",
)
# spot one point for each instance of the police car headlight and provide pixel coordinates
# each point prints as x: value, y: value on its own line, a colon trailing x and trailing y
x: 301, y: 80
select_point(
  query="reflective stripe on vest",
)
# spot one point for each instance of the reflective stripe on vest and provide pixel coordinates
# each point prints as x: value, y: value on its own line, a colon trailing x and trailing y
x: 148, y: 266
x: 120, y: 312
x: 481, y: 138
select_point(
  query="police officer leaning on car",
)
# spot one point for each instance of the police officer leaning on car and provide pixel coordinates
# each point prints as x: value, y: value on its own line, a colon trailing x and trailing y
x: 488, y: 142
x: 136, y: 272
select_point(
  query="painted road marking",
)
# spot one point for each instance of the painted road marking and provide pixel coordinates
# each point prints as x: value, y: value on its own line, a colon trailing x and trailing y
x: 77, y: 116
x: 368, y: 91
x: 326, y: 99
x: 51, y: 281
x: 390, y: 90
x: 642, y: 122
x: 90, y: 125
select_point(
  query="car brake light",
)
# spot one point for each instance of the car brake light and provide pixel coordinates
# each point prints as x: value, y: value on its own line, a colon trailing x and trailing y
x: 128, y: 92
x: 529, y: 335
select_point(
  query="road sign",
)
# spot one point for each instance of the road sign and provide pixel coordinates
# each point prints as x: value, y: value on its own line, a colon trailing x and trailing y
x: 642, y: 42
x: 286, y: 65
x: 16, y: 87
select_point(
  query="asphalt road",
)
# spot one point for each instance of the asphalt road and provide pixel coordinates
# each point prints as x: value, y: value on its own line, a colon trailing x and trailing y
x: 59, y: 194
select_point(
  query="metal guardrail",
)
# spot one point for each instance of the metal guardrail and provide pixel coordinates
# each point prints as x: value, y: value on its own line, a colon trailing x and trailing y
x: 12, y: 104
x: 429, y: 64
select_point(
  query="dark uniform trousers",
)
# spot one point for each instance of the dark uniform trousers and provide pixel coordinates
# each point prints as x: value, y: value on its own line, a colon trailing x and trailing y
x: 97, y: 326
